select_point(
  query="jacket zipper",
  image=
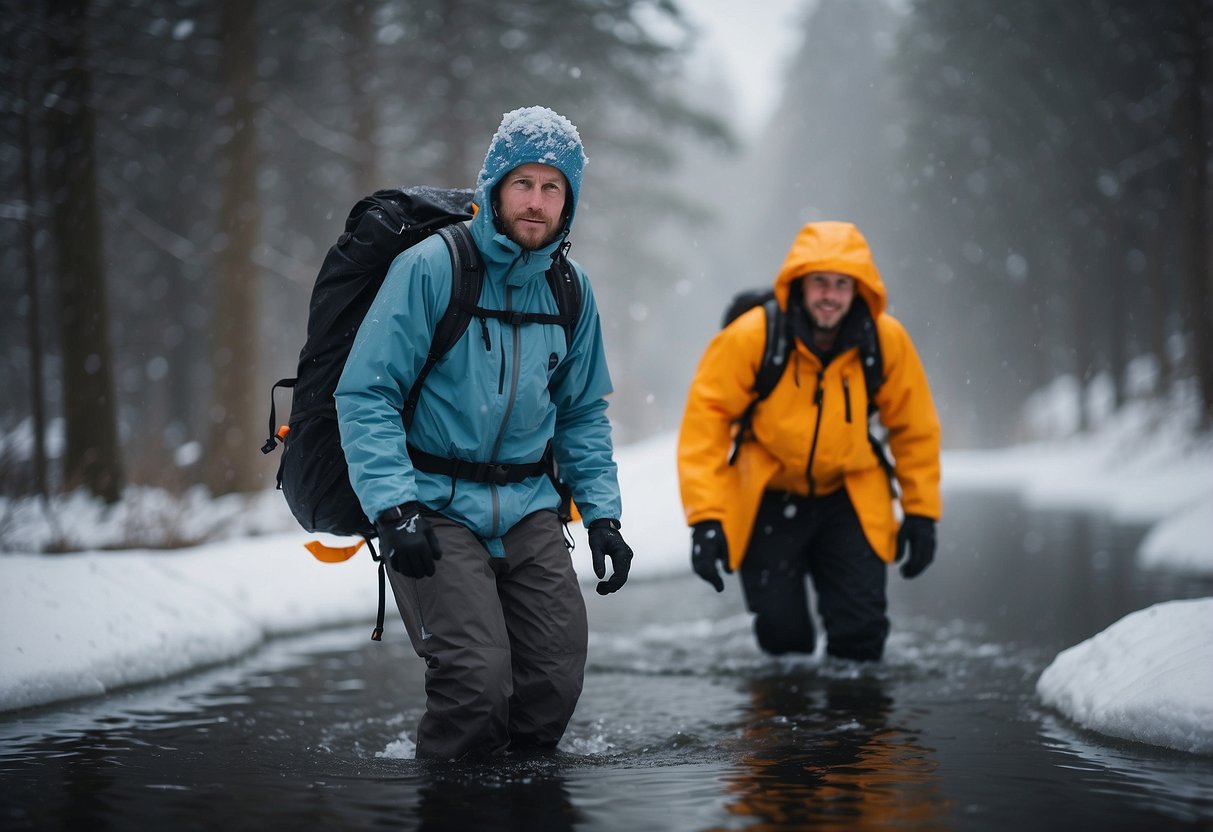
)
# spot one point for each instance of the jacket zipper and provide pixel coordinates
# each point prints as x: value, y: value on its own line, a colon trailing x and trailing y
x: 488, y: 347
x: 846, y: 393
x: 494, y: 496
x: 515, y: 339
x: 501, y: 372
x: 818, y: 397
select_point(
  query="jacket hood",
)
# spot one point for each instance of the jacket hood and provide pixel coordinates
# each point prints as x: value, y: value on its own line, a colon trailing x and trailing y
x: 833, y: 247
x: 532, y: 134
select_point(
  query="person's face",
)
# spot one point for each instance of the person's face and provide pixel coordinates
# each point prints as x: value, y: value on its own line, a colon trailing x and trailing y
x: 530, y: 204
x: 828, y: 297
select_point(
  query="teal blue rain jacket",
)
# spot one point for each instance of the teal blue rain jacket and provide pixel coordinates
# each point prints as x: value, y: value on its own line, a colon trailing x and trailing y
x: 499, y: 395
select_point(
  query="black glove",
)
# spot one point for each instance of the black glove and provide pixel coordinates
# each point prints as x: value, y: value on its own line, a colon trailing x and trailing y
x: 919, y: 533
x: 408, y: 541
x: 708, y: 545
x: 606, y: 541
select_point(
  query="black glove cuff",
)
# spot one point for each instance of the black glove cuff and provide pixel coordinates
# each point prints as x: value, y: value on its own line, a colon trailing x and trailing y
x: 397, y: 513
x: 605, y: 523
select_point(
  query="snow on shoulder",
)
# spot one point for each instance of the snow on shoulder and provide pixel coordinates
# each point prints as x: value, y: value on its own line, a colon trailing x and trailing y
x: 1147, y: 678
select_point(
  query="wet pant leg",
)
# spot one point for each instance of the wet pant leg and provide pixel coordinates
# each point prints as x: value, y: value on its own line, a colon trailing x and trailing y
x: 773, y: 575
x: 545, y: 617
x: 850, y: 581
x: 455, y: 622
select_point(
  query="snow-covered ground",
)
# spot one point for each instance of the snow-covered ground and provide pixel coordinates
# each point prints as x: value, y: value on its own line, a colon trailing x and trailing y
x: 86, y: 623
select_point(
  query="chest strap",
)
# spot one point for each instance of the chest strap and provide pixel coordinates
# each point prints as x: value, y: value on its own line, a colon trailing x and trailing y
x: 491, y: 473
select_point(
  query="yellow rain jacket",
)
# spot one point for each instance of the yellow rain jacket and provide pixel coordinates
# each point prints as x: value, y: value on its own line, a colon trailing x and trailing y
x: 787, y: 424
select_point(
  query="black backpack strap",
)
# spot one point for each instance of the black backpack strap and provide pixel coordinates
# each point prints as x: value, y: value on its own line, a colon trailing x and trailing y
x: 377, y: 633
x: 873, y: 376
x: 466, y: 281
x: 272, y: 441
x: 514, y: 317
x: 870, y: 358
x: 491, y: 473
x: 775, y: 352
x: 566, y: 288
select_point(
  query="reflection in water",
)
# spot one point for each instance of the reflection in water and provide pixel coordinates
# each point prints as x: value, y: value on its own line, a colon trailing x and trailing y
x: 1170, y: 782
x: 822, y: 753
x: 87, y: 783
x: 525, y: 796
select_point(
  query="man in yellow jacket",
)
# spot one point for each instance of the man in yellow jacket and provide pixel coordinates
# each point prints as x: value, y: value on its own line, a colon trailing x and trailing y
x: 804, y: 493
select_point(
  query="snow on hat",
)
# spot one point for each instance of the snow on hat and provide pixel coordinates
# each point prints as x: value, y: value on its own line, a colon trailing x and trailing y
x: 532, y: 134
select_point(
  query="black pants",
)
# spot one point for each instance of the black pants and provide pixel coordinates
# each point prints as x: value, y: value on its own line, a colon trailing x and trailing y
x: 819, y: 537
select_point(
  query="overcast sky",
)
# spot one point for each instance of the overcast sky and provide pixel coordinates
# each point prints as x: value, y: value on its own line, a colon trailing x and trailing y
x: 754, y: 43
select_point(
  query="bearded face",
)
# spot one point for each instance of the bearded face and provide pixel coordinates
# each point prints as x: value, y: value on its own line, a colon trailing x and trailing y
x: 530, y: 204
x: 827, y: 298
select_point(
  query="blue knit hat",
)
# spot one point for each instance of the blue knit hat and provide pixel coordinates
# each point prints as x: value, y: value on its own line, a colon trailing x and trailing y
x: 532, y: 134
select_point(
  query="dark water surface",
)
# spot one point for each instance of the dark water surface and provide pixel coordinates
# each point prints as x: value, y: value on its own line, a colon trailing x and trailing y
x: 683, y: 724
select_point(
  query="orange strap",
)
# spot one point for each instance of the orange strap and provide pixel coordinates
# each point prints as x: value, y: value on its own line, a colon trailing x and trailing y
x: 332, y: 554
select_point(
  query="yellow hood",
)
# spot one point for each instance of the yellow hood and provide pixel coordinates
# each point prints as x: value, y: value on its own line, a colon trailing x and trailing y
x: 833, y: 247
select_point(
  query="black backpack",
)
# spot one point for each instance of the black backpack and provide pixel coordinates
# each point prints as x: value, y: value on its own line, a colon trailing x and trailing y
x: 313, y: 475
x: 775, y: 354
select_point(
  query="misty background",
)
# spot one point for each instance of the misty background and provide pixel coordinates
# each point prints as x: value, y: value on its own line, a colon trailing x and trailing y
x: 1033, y: 178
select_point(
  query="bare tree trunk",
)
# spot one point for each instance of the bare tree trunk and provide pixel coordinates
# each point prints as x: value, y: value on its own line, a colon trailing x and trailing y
x: 1079, y: 309
x: 1108, y: 308
x: 464, y: 144
x: 1119, y: 326
x: 233, y: 463
x: 92, y: 458
x: 1198, y: 270
x: 1157, y: 290
x: 37, y: 394
x: 361, y: 66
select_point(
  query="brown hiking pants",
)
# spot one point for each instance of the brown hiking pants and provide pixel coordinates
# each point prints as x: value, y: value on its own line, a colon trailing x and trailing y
x: 504, y: 639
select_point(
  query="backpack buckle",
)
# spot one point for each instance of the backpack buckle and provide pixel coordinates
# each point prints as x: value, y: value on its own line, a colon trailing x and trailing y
x: 493, y: 473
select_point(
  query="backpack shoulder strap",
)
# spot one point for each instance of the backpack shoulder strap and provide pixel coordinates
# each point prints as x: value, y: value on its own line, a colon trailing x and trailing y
x: 775, y: 352
x: 467, y: 279
x: 869, y: 356
x: 566, y: 288
x: 873, y: 376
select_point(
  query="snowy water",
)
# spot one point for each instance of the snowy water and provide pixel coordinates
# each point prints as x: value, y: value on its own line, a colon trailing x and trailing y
x: 683, y: 724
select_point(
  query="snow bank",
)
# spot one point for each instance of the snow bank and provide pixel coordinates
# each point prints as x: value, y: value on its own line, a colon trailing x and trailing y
x: 1148, y: 678
x: 83, y: 624
x: 1182, y: 542
x: 1142, y: 465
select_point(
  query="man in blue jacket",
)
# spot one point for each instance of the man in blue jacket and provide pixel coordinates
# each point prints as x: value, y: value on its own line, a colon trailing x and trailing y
x: 480, y: 570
